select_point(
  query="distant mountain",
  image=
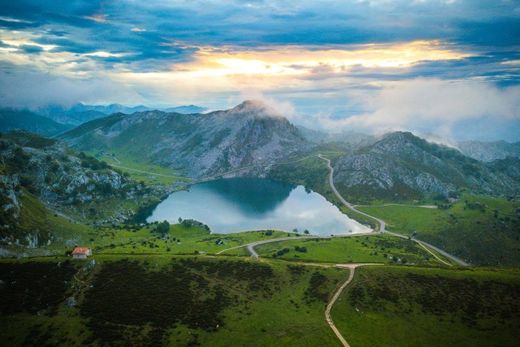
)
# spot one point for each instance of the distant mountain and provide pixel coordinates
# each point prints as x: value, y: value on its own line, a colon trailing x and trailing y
x: 312, y: 135
x: 403, y: 166
x: 250, y: 136
x: 11, y: 119
x: 509, y: 166
x: 350, y: 138
x: 489, y: 151
x: 81, y: 113
x: 189, y: 109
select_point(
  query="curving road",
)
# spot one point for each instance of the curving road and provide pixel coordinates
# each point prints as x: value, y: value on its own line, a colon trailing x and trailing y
x: 251, y: 246
x: 382, y: 223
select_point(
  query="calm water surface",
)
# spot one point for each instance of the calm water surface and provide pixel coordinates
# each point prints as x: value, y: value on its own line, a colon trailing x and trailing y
x: 239, y: 204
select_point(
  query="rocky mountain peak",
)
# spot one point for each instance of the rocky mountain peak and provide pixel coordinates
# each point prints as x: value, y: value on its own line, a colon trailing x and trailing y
x: 400, y: 136
x: 255, y: 108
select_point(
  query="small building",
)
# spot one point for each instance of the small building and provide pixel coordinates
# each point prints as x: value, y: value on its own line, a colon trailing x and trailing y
x: 81, y: 252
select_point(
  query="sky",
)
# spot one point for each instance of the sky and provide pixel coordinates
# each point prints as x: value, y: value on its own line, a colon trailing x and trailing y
x: 446, y: 68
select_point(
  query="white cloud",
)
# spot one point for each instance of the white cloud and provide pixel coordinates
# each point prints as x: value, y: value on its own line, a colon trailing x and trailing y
x: 284, y: 108
x: 21, y: 89
x: 431, y: 104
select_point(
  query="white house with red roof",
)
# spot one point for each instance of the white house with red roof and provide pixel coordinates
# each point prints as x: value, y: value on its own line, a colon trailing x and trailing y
x: 81, y: 252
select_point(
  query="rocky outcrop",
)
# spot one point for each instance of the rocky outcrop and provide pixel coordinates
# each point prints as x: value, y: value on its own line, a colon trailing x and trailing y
x: 39, y: 174
x: 403, y: 166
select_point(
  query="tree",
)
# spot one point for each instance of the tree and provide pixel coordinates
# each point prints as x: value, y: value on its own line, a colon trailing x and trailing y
x: 180, y: 220
x: 306, y: 232
x: 163, y: 228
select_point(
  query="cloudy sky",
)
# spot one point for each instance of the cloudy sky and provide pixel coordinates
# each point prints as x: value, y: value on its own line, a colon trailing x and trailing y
x: 445, y: 67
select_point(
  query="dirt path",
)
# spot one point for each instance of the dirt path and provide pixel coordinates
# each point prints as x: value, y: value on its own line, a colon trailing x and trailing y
x: 401, y: 205
x: 434, y: 255
x: 328, y: 317
x: 142, y: 171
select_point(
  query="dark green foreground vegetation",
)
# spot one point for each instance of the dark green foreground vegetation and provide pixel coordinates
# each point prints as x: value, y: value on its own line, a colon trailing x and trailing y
x: 391, y: 306
x: 154, y: 301
x: 189, y: 301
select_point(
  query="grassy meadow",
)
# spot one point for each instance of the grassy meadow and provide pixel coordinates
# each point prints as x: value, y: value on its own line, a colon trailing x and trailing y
x: 357, y: 249
x: 481, y: 230
x: 405, y: 306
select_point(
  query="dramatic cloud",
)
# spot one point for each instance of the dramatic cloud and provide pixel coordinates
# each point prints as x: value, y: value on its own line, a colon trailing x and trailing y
x: 355, y: 63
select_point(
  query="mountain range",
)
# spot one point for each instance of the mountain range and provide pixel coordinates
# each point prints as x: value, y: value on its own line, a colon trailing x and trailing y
x: 81, y: 113
x: 11, y: 119
x: 250, y: 137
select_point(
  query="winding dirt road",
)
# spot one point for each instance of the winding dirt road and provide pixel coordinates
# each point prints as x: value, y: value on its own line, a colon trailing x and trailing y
x: 328, y: 317
x: 382, y: 223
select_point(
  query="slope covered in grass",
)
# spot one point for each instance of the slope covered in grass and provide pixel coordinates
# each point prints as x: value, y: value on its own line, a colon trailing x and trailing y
x: 482, y: 230
x: 391, y: 306
x: 157, y: 300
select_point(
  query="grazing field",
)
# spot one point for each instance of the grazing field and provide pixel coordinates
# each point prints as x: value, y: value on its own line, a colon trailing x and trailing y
x: 403, y: 306
x: 482, y: 230
x: 359, y: 249
x: 159, y: 300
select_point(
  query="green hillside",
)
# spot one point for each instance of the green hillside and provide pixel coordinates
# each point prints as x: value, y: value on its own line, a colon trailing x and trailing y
x: 482, y: 230
x: 391, y: 306
x: 11, y: 119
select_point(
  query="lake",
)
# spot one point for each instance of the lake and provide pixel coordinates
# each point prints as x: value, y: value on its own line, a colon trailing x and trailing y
x: 240, y: 204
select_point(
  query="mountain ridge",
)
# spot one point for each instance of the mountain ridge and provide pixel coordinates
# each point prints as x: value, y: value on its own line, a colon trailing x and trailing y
x: 404, y: 166
x: 12, y: 119
x: 250, y: 134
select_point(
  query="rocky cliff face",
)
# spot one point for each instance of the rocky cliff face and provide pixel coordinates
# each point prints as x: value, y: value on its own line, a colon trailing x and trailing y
x: 38, y: 172
x: 401, y: 165
x: 250, y: 137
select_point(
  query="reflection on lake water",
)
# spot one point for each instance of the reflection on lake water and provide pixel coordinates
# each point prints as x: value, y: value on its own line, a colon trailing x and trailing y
x: 239, y: 204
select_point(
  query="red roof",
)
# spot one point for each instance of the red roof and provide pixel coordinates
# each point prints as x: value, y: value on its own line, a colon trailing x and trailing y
x: 81, y: 250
